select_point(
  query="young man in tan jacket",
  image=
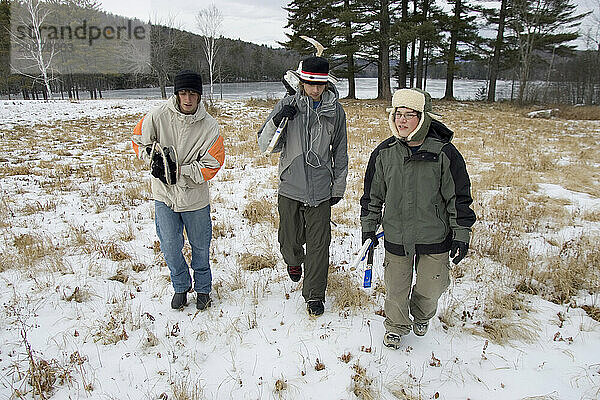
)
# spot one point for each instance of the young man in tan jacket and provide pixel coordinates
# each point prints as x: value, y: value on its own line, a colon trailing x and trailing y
x: 185, y: 150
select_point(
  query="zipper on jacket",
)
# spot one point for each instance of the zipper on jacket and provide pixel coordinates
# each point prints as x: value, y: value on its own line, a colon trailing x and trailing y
x: 437, y: 213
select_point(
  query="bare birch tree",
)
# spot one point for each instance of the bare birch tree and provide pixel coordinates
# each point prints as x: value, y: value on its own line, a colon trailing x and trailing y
x: 208, y: 21
x: 33, y: 52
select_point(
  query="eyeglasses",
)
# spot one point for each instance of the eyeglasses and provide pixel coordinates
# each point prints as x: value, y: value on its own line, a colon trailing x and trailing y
x: 407, y: 116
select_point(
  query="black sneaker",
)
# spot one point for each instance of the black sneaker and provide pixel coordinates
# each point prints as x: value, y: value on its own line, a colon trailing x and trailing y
x: 203, y: 301
x: 315, y: 307
x: 294, y: 272
x: 179, y: 300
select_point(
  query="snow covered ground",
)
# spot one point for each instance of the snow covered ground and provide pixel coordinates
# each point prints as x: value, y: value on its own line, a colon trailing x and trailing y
x: 85, y: 305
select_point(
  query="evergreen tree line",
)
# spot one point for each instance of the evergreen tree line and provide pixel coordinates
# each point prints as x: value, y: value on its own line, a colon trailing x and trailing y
x: 518, y: 40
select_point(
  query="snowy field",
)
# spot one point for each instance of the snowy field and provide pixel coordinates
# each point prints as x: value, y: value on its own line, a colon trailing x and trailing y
x: 85, y: 301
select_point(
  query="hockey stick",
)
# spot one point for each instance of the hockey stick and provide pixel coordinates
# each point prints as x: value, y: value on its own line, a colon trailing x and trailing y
x: 366, y: 251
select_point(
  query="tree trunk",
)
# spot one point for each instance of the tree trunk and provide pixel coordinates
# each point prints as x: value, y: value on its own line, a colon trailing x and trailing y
x: 422, y: 45
x: 402, y: 59
x: 350, y: 57
x: 162, y: 82
x: 451, y: 66
x: 420, y: 58
x: 351, y: 77
x: 384, y: 91
x: 495, y: 66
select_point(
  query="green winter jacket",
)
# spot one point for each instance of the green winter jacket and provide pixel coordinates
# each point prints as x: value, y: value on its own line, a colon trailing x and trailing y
x: 427, y: 195
x: 313, y: 164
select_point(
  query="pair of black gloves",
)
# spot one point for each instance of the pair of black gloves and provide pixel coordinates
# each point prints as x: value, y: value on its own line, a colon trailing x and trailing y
x: 458, y: 249
x: 157, y: 165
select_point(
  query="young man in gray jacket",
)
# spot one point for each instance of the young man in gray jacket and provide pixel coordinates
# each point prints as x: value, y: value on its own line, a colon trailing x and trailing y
x: 182, y: 126
x: 417, y: 187
x: 313, y: 166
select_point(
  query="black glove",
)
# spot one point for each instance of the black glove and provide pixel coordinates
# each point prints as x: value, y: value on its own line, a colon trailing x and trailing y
x: 286, y: 111
x: 334, y: 200
x: 372, y: 236
x: 462, y: 249
x: 157, y: 167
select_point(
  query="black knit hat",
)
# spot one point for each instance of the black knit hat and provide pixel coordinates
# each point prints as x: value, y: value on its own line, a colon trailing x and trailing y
x: 315, y: 71
x: 188, y: 80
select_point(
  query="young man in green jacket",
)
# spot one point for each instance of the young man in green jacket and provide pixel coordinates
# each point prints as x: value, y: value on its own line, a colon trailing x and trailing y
x: 313, y: 166
x: 422, y: 180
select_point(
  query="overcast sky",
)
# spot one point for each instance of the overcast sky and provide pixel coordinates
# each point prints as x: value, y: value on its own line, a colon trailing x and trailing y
x: 256, y: 21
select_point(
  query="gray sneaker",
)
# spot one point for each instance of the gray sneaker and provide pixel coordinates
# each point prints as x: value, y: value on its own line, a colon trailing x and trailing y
x: 420, y: 329
x: 392, y: 340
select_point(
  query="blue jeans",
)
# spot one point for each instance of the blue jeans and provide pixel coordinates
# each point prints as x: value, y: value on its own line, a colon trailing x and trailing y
x: 169, y: 228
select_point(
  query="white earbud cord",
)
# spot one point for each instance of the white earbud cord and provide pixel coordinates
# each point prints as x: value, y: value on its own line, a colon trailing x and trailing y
x: 310, y: 141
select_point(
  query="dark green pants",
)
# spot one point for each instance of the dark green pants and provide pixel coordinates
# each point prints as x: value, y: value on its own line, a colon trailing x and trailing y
x: 300, y: 224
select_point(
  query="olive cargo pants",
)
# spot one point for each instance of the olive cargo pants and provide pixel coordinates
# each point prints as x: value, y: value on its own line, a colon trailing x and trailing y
x: 400, y: 302
x: 301, y: 224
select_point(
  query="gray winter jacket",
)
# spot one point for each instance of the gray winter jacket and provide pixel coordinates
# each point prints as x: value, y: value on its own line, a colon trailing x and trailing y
x: 313, y: 164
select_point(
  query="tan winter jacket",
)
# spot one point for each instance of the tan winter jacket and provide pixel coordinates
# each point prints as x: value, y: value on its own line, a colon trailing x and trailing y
x: 199, y: 147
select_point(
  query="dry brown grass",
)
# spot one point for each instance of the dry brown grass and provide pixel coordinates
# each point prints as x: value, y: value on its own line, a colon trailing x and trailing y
x: 31, y: 248
x: 260, y: 211
x: 39, y: 206
x: 578, y: 112
x: 222, y: 230
x: 592, y: 311
x: 256, y: 262
x: 576, y: 268
x: 264, y: 103
x: 362, y: 385
x: 347, y: 293
x: 187, y: 389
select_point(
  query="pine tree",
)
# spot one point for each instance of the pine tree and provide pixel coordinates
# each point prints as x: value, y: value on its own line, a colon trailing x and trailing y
x: 541, y: 26
x: 462, y: 29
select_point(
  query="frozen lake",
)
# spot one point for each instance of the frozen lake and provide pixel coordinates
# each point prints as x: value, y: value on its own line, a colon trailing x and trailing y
x: 366, y: 88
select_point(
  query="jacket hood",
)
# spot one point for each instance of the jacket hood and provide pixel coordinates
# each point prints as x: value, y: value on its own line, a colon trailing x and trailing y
x: 198, y: 115
x: 440, y: 131
x: 329, y: 99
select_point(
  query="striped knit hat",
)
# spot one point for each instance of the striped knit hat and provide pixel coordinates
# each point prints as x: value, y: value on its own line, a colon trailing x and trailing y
x: 314, y: 71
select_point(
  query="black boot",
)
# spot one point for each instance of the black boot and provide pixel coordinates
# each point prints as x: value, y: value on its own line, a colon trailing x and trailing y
x: 203, y: 301
x: 179, y: 300
x: 315, y: 307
